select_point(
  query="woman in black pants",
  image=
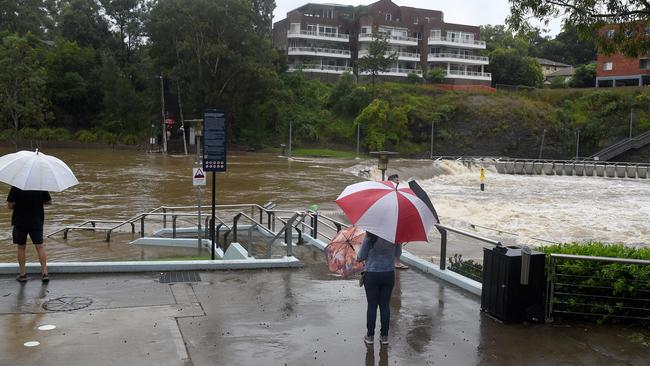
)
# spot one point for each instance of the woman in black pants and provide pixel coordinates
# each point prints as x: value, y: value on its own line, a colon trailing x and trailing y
x: 379, y: 255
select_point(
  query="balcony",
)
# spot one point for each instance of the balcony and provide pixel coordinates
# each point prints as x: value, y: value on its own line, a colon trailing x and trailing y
x: 458, y: 58
x: 317, y: 35
x: 327, y: 69
x: 398, y: 72
x: 402, y: 56
x: 470, y: 75
x: 396, y: 40
x: 314, y: 51
x: 456, y: 42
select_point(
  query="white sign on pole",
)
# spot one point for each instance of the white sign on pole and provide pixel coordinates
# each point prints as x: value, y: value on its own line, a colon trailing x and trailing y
x: 198, y: 177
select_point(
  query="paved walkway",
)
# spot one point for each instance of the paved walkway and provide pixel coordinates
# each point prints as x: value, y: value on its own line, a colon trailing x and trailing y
x: 282, y: 317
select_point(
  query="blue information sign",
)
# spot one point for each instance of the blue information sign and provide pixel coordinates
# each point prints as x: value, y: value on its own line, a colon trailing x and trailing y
x: 214, y: 140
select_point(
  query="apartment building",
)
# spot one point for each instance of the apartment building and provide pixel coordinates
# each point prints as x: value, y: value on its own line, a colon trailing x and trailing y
x: 329, y: 38
x: 618, y: 70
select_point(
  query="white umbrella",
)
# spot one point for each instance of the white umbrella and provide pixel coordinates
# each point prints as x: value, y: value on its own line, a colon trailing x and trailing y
x: 35, y: 171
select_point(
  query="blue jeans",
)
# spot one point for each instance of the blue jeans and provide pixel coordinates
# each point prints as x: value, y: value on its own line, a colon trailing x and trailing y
x: 379, y: 286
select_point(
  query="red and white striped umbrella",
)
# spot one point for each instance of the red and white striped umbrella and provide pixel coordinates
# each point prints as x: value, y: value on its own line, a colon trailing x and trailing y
x: 388, y: 210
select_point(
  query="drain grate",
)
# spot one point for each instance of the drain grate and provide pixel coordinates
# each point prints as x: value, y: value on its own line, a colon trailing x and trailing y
x: 68, y: 303
x: 180, y: 276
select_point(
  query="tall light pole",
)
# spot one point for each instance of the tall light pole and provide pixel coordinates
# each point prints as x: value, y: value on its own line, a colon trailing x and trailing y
x: 541, y: 146
x: 162, y: 103
x: 631, y: 111
x: 577, y: 144
x: 290, y: 126
x: 180, y: 107
x: 432, y: 132
x: 358, y: 128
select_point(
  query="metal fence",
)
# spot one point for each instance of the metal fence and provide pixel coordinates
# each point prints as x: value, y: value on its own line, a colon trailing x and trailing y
x: 599, y: 288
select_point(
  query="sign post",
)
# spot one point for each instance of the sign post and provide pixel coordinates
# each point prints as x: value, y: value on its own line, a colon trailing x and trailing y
x: 214, y: 154
x: 198, y: 180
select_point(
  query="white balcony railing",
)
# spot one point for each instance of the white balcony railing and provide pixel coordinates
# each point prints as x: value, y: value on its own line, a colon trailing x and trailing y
x: 469, y: 74
x: 319, y: 51
x: 447, y: 39
x: 456, y: 56
x: 368, y: 37
x: 398, y: 72
x: 318, y: 35
x: 400, y: 55
x: 320, y: 68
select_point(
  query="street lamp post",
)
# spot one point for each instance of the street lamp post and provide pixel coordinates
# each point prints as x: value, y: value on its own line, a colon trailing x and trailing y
x: 382, y: 161
x: 432, y: 132
x: 290, y: 126
x: 358, y: 133
x: 162, y: 102
x: 541, y: 145
x: 577, y: 144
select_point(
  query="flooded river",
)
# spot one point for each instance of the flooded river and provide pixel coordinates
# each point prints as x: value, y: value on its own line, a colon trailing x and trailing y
x: 117, y: 184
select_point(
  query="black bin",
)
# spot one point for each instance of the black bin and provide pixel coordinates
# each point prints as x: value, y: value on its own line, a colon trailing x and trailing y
x: 508, y: 294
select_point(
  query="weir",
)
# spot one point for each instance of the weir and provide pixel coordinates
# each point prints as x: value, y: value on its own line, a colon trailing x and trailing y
x: 563, y: 167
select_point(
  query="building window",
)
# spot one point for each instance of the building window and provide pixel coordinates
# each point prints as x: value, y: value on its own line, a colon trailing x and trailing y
x: 610, y: 33
x: 415, y: 20
x: 329, y: 13
x: 389, y: 17
x: 645, y: 64
x: 435, y: 34
x: 427, y: 19
x: 608, y: 66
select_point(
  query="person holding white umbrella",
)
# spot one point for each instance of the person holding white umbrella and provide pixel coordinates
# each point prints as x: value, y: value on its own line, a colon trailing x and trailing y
x: 31, y: 175
x: 27, y: 219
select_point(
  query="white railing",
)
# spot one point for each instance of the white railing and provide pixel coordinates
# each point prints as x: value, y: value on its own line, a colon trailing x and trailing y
x: 470, y: 73
x: 316, y: 50
x: 456, y: 40
x: 311, y: 67
x: 458, y: 56
x: 364, y: 53
x: 397, y: 71
x: 337, y: 36
x: 389, y: 38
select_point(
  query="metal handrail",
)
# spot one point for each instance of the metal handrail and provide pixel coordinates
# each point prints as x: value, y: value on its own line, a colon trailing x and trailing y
x: 443, y: 241
x: 601, y: 259
x: 275, y: 237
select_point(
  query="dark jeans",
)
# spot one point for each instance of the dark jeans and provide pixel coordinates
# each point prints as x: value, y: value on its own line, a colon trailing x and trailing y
x: 379, y: 286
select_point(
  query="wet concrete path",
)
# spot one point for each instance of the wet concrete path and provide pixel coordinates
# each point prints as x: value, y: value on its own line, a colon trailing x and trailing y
x: 295, y: 317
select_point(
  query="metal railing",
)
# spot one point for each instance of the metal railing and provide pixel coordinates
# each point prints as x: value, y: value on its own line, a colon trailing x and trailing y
x: 317, y: 50
x: 443, y: 229
x: 455, y: 40
x: 598, y: 287
x: 469, y: 73
x: 371, y: 37
x: 309, y: 67
x: 337, y: 36
x: 457, y: 56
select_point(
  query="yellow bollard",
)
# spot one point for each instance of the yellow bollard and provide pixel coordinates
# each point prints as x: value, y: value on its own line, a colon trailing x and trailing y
x: 482, y: 179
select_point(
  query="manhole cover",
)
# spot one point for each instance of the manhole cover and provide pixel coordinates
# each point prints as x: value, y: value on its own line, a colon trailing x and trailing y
x: 180, y: 276
x: 67, y: 303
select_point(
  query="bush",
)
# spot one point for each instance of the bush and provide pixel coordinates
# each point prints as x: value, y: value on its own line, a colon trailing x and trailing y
x: 468, y: 268
x: 130, y: 139
x: 436, y: 75
x: 85, y: 136
x: 106, y: 137
x: 28, y: 133
x: 6, y: 135
x: 413, y: 78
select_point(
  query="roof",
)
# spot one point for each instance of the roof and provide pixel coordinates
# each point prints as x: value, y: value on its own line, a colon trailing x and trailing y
x: 567, y: 71
x: 546, y: 62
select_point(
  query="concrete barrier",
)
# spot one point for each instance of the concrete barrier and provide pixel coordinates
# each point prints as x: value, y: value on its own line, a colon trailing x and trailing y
x: 235, y: 251
x: 642, y: 172
x: 558, y: 168
x: 510, y: 167
x: 590, y: 169
x: 548, y: 168
x: 528, y: 167
x: 631, y: 171
x: 600, y: 170
x: 519, y: 167
x: 620, y: 171
x: 569, y: 168
x: 610, y: 171
x: 538, y: 167
x: 579, y: 169
x: 501, y: 167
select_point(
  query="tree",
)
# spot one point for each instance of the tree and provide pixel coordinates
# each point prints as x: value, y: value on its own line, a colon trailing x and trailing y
x: 379, y: 58
x: 584, y: 76
x: 386, y: 125
x: 22, y: 83
x: 127, y: 17
x: 509, y: 67
x: 437, y: 75
x: 628, y: 18
x: 27, y: 16
x: 81, y: 21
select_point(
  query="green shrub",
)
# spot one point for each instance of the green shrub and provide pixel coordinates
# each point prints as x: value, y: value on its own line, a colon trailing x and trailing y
x: 106, y: 137
x: 413, y: 78
x: 466, y: 267
x: 85, y: 136
x: 29, y: 133
x: 130, y: 139
x: 6, y: 135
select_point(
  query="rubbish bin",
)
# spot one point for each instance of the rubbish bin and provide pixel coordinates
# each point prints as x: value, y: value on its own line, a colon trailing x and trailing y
x: 513, y: 292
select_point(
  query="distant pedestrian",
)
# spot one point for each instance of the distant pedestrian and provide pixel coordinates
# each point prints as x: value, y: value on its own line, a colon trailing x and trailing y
x: 398, y: 248
x: 27, y: 219
x: 379, y: 281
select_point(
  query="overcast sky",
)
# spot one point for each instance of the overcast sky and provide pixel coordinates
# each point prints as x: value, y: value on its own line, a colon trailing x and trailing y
x: 469, y: 12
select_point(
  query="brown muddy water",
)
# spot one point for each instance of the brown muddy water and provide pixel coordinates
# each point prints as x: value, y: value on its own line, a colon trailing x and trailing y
x: 117, y: 184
